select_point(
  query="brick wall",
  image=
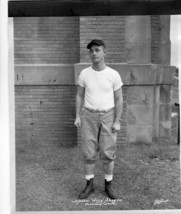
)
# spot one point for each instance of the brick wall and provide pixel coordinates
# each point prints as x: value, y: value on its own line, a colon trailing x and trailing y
x: 46, y: 40
x: 109, y: 28
x: 155, y: 37
x: 56, y: 39
x: 45, y: 115
x: 112, y: 30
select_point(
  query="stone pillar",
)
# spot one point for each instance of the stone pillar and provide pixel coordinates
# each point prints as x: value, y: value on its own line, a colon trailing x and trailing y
x: 164, y: 44
x: 165, y: 90
x: 138, y: 39
x: 139, y: 97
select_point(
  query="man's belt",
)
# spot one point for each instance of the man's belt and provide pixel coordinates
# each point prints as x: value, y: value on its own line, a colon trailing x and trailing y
x: 98, y: 111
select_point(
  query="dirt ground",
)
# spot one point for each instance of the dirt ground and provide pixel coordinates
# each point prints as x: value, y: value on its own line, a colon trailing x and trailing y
x: 49, y: 178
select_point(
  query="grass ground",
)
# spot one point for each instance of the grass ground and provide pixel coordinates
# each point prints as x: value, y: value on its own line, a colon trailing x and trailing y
x: 49, y: 178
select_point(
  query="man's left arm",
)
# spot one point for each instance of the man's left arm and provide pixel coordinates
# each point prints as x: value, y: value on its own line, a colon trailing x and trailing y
x: 118, y: 98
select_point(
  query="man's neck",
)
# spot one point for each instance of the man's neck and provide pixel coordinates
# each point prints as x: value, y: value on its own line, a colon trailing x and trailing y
x: 99, y: 66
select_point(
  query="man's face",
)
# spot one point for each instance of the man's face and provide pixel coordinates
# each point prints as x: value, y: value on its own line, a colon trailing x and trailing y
x: 97, y: 53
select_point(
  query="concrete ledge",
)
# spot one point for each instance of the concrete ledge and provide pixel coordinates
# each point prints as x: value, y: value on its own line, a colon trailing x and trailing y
x: 60, y: 74
x: 66, y: 74
x: 137, y: 74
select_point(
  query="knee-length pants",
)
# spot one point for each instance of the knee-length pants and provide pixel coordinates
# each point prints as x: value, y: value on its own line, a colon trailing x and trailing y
x: 97, y: 136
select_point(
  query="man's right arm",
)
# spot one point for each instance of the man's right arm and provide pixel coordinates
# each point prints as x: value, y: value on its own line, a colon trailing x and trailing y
x: 79, y: 103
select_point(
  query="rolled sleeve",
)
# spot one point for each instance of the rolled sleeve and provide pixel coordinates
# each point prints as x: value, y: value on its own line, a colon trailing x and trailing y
x: 81, y: 80
x: 117, y: 81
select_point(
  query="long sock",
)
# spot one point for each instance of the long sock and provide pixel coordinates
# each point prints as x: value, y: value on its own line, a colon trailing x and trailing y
x: 108, y: 177
x: 88, y: 177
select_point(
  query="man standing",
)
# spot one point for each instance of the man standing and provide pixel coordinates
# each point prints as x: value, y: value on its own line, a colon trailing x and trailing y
x: 100, y: 89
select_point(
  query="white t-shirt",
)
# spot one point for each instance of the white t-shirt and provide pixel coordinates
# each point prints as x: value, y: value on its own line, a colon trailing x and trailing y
x: 99, y: 87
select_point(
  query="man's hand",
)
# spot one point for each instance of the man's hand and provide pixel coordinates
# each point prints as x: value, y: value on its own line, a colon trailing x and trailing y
x: 116, y: 126
x: 77, y: 122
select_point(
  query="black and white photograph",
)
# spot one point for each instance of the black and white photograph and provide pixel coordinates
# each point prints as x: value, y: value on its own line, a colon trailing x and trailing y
x: 94, y: 110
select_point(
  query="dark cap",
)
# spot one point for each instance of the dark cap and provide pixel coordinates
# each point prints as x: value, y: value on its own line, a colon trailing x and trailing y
x: 95, y: 42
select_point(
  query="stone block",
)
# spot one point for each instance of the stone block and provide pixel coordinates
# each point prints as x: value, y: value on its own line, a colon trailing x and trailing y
x: 142, y: 75
x: 165, y: 93
x: 165, y: 112
x: 168, y: 74
x: 165, y: 130
x: 142, y: 95
x: 139, y: 134
x: 140, y: 115
x: 44, y: 75
x: 165, y: 121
